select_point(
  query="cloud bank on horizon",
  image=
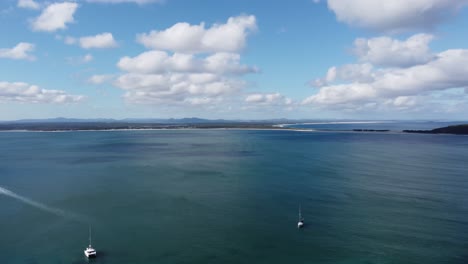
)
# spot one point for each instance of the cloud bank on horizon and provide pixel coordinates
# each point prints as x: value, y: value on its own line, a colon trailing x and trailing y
x: 395, y: 63
x: 393, y: 74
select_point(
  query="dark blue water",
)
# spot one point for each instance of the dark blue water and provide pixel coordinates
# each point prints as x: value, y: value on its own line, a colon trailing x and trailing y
x: 227, y: 196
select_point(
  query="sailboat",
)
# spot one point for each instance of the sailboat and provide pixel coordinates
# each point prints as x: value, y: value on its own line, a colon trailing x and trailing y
x: 300, y: 223
x: 90, y: 252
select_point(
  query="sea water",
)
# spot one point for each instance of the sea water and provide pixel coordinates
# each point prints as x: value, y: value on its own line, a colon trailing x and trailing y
x: 232, y: 196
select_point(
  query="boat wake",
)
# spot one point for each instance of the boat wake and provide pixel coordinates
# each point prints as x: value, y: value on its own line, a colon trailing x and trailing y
x: 43, y: 207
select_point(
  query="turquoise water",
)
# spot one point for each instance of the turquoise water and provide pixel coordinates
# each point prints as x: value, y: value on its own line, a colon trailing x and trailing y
x: 232, y: 196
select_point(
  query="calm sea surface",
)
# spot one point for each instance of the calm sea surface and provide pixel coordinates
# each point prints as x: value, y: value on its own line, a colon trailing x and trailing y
x: 232, y: 196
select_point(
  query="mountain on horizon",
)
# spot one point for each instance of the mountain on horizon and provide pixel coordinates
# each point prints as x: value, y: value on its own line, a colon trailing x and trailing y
x: 185, y: 120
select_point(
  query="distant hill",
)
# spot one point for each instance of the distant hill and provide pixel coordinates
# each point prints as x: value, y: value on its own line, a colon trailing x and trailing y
x: 457, y: 130
x: 61, y: 120
x: 71, y: 124
x: 187, y: 120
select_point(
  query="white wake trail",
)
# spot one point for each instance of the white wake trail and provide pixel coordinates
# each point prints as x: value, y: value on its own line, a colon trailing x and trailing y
x: 43, y: 207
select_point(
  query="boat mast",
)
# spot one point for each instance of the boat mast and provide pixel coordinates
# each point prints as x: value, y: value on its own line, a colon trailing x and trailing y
x: 89, y: 235
x: 300, y: 216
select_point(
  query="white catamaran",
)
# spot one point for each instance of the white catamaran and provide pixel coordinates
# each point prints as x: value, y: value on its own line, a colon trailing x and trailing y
x: 300, y: 223
x: 90, y: 252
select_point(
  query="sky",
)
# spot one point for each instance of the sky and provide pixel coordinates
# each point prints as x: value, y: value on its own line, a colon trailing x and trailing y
x: 244, y: 59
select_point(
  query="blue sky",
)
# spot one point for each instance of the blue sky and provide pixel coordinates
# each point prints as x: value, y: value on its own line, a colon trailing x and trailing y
x: 355, y: 59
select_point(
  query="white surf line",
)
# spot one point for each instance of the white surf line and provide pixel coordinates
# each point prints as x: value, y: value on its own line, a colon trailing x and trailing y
x: 43, y: 207
x: 336, y: 123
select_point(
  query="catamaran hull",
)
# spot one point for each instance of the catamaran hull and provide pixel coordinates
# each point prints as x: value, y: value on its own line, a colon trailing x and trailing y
x: 92, y: 255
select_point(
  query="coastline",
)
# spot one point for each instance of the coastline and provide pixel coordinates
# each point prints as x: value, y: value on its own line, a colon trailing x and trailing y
x: 117, y: 127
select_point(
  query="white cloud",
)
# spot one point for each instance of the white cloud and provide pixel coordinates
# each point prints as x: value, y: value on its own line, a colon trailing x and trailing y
x: 402, y: 102
x: 23, y: 92
x: 157, y: 77
x: 21, y: 51
x: 29, y: 4
x: 348, y: 72
x: 101, y: 41
x: 188, y: 65
x: 80, y: 60
x: 385, y: 51
x: 186, y: 38
x: 202, y: 101
x: 438, y: 104
x: 69, y: 40
x: 153, y: 62
x: 175, y: 88
x: 87, y: 58
x: 55, y: 16
x: 268, y: 99
x: 223, y: 62
x: 396, y: 76
x: 395, y: 15
x: 342, y: 93
x: 445, y: 72
x: 140, y: 2
x: 100, y: 78
x: 159, y: 62
x: 104, y: 40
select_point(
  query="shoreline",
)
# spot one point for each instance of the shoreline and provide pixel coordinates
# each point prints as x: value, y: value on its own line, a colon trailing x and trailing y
x: 106, y: 127
x: 147, y: 129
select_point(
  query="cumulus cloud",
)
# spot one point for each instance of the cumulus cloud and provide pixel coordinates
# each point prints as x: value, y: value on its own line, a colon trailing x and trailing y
x: 140, y: 2
x: 55, y: 16
x: 350, y: 72
x: 185, y: 38
x: 402, y: 102
x: 395, y: 75
x: 160, y: 61
x: 87, y: 58
x: 157, y: 78
x: 202, y: 101
x: 29, y: 4
x: 268, y: 99
x: 80, y: 60
x: 395, y: 15
x: 342, y: 93
x: 27, y: 93
x: 22, y: 51
x: 189, y: 67
x: 173, y: 88
x: 446, y: 71
x: 157, y: 62
x: 69, y: 40
x: 385, y: 51
x: 226, y: 63
x: 101, y: 41
x: 100, y: 78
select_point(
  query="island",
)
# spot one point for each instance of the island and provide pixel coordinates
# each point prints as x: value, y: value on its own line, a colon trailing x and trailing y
x: 456, y: 130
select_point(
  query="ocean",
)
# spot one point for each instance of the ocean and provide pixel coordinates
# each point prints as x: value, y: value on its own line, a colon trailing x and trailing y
x: 232, y: 196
